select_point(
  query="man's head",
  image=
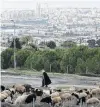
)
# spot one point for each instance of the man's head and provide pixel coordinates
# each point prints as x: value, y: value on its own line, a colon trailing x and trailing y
x: 43, y: 70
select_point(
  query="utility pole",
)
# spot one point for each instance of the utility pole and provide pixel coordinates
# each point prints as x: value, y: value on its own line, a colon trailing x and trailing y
x: 14, y: 47
x: 67, y: 69
x: 86, y: 70
x: 96, y: 26
x: 50, y: 67
x: 33, y: 102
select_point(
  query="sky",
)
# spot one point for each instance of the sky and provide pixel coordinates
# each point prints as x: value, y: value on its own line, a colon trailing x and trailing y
x: 31, y: 4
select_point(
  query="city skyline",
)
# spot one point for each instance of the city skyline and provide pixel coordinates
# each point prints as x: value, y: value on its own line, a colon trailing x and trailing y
x: 30, y: 4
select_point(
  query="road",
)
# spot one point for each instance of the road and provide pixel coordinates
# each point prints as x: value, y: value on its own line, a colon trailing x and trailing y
x: 70, y: 80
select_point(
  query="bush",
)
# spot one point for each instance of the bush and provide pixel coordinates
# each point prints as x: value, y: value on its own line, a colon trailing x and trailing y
x: 80, y: 59
x: 6, y: 58
x: 34, y: 61
x: 17, y: 44
x: 51, y: 44
x: 21, y: 57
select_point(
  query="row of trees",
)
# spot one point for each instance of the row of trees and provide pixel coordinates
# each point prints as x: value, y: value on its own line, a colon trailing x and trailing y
x: 20, y: 43
x: 78, y: 59
x: 28, y: 42
x: 93, y: 43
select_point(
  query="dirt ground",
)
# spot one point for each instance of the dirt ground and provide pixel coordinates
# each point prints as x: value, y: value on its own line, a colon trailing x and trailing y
x: 59, y: 81
x: 36, y: 81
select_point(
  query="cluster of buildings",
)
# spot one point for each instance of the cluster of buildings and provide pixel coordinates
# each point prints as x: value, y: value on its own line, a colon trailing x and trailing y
x: 57, y: 24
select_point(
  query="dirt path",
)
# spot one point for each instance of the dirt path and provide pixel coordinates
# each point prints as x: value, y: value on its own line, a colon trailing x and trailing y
x: 62, y: 80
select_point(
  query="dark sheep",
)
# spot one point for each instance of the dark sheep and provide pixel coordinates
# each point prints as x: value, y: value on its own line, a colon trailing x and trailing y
x: 39, y: 92
x: 2, y: 88
x: 29, y: 98
x: 80, y: 99
x: 36, y: 91
x: 28, y: 87
x: 47, y: 100
x: 25, y: 99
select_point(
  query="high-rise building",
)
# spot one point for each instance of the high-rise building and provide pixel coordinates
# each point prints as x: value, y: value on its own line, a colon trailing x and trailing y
x: 38, y: 10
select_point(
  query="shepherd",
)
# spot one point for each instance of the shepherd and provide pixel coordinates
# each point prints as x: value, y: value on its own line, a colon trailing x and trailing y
x: 45, y: 79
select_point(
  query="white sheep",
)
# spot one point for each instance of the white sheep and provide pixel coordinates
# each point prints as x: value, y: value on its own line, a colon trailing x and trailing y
x: 25, y: 99
x: 20, y: 100
x: 4, y: 94
x: 93, y: 102
x: 81, y: 97
x: 48, y: 92
x: 55, y: 94
x: 96, y: 93
x: 65, y: 96
x: 8, y: 100
x: 19, y: 88
x: 56, y: 100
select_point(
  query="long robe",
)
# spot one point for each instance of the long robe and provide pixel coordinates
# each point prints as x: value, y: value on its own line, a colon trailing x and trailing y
x: 46, y: 80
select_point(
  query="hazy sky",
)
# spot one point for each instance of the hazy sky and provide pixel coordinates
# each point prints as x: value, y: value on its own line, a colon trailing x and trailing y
x: 31, y: 4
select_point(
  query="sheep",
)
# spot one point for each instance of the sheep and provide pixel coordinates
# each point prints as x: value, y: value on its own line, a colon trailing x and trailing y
x: 47, y: 100
x: 7, y: 93
x: 25, y: 99
x: 29, y: 98
x: 39, y: 92
x: 65, y: 96
x: 6, y: 104
x: 47, y: 92
x: 2, y: 88
x: 56, y: 100
x: 3, y: 96
x: 28, y: 87
x: 8, y: 100
x: 80, y: 96
x: 20, y: 100
x: 93, y: 101
x: 12, y: 90
x: 19, y: 88
x: 96, y: 92
x: 55, y: 94
x: 51, y: 101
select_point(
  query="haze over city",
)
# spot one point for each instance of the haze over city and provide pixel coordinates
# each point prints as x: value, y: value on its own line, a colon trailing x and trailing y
x: 31, y: 4
x: 50, y: 53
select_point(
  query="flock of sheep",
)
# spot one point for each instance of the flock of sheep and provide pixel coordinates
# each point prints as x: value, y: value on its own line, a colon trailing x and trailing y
x: 20, y: 94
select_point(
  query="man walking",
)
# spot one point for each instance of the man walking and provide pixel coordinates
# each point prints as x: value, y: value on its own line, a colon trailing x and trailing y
x: 45, y: 79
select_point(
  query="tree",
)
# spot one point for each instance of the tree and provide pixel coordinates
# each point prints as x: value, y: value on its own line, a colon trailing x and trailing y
x: 68, y: 44
x: 81, y: 66
x: 51, y: 61
x: 26, y: 39
x: 21, y: 57
x: 93, y: 64
x: 17, y: 42
x: 98, y: 42
x: 33, y: 46
x: 91, y: 43
x: 34, y: 61
x: 55, y: 66
x: 51, y: 44
x: 6, y: 58
x: 47, y: 66
x: 64, y: 62
x: 42, y: 44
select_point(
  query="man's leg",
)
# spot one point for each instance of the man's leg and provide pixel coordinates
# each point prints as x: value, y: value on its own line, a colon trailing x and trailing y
x: 46, y: 85
x: 42, y: 83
